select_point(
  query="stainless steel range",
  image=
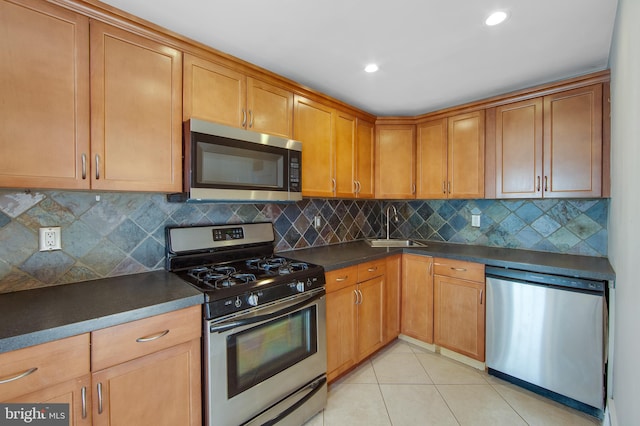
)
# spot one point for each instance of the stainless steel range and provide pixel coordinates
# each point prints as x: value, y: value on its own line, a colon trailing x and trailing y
x: 264, y: 350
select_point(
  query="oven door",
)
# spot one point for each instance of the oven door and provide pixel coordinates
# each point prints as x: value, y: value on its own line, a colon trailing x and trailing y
x: 265, y: 356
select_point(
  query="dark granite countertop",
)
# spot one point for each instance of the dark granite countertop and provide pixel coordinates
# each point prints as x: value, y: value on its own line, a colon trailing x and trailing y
x: 31, y: 317
x: 346, y: 254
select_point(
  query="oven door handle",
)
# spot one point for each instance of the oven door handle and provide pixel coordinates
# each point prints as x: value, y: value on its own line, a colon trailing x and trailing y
x: 225, y: 326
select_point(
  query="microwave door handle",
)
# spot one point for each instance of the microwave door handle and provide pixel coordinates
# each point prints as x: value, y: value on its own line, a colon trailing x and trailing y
x: 228, y: 325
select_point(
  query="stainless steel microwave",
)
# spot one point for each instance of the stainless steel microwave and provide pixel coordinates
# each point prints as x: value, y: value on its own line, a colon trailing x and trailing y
x: 223, y: 163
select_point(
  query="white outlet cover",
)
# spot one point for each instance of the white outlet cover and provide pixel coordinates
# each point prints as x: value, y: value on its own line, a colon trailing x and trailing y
x: 49, y: 238
x: 475, y: 220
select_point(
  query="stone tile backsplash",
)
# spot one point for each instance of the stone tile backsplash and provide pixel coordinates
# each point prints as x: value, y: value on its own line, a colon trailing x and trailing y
x: 111, y: 234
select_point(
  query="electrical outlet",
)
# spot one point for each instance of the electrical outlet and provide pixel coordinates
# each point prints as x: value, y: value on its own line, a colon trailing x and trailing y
x: 49, y: 238
x: 475, y: 220
x: 317, y: 222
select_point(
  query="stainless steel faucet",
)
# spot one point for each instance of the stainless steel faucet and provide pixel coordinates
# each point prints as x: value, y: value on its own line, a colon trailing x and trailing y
x: 395, y: 216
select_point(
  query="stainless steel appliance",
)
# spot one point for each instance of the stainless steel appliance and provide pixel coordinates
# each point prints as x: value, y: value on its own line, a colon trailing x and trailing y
x: 547, y: 333
x: 226, y: 163
x: 264, y: 348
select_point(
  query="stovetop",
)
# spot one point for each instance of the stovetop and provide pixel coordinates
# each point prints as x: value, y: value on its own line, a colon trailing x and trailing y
x: 235, y: 267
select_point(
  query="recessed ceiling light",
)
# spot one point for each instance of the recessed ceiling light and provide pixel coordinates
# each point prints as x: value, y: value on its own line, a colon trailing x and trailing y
x: 371, y: 68
x: 496, y: 18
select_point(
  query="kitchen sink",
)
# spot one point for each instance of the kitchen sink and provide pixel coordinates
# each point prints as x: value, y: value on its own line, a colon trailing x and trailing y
x: 383, y: 242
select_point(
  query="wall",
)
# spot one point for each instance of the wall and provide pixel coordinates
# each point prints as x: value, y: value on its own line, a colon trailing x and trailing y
x: 624, y: 235
x: 123, y: 233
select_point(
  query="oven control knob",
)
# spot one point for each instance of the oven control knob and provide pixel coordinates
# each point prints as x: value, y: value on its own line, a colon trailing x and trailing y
x: 252, y: 299
x: 300, y: 286
x: 238, y: 302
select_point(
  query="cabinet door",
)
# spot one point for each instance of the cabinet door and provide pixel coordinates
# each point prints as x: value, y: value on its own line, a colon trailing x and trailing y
x: 370, y: 316
x: 393, y: 279
x: 431, y: 159
x: 161, y: 389
x: 518, y: 136
x: 417, y: 297
x: 270, y: 108
x: 573, y: 143
x: 466, y: 155
x: 76, y: 393
x: 365, y: 158
x: 341, y: 331
x: 314, y: 126
x: 395, y: 161
x: 459, y: 315
x: 44, y: 113
x: 213, y: 92
x: 345, y: 155
x: 136, y: 104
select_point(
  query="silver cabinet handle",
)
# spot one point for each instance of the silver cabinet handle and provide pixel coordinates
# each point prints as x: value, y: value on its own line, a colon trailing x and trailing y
x: 546, y: 184
x: 538, y: 185
x: 341, y: 279
x: 83, y: 394
x: 244, y: 117
x: 250, y: 118
x: 333, y: 185
x: 97, y: 166
x: 413, y: 188
x: 481, y: 293
x: 357, y: 298
x: 84, y: 166
x: 361, y: 296
x: 449, y: 187
x: 459, y: 269
x: 359, y: 186
x: 444, y: 187
x: 375, y: 268
x: 100, y: 398
x: 152, y: 337
x: 430, y: 267
x: 19, y: 375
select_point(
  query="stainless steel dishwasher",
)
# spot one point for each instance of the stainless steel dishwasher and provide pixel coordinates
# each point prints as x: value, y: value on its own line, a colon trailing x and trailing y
x: 547, y: 333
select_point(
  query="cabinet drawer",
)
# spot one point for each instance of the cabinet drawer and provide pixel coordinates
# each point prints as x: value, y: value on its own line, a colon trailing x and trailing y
x: 371, y: 269
x: 50, y: 363
x: 341, y: 278
x: 459, y: 269
x: 120, y: 343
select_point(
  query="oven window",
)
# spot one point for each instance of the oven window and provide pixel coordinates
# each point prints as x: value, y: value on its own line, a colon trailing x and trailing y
x: 263, y: 351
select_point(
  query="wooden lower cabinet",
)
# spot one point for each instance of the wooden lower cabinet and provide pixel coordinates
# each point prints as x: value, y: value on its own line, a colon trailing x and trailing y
x: 459, y: 308
x: 355, y: 315
x: 158, y: 389
x: 392, y: 311
x: 417, y: 297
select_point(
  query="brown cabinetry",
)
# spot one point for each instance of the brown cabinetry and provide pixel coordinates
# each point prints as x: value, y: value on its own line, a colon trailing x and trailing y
x: 417, y: 297
x: 459, y: 309
x: 355, y: 314
x: 56, y: 372
x: 102, y: 94
x: 549, y: 146
x: 354, y: 157
x: 216, y: 93
x: 392, y: 297
x: 395, y: 161
x: 450, y: 157
x: 147, y: 372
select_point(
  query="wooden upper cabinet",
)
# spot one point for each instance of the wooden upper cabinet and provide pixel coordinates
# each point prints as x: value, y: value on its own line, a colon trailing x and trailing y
x: 431, y: 159
x: 518, y: 140
x: 465, y: 155
x: 136, y: 104
x: 44, y: 113
x: 395, y: 161
x: 270, y: 108
x: 345, y: 155
x: 549, y: 146
x: 314, y: 126
x: 216, y: 93
x: 573, y: 143
x: 365, y: 141
x: 213, y: 92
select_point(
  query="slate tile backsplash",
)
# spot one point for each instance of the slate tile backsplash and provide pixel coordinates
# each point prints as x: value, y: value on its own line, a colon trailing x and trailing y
x: 110, y: 234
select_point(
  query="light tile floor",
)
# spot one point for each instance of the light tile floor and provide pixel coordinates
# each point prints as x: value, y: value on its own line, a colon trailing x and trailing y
x: 407, y: 385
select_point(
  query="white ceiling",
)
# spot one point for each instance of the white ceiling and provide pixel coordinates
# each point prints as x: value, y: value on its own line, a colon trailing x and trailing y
x: 432, y: 53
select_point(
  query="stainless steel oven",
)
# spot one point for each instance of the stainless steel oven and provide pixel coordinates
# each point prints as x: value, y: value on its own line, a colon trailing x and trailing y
x: 260, y: 357
x: 264, y: 348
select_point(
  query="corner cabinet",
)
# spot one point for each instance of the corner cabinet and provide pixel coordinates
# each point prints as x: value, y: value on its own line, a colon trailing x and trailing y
x: 106, y: 94
x: 459, y: 306
x: 550, y: 146
x: 147, y: 372
x: 217, y: 93
x: 395, y: 161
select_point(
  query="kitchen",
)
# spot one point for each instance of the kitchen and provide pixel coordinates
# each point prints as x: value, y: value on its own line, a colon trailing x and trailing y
x: 121, y: 233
